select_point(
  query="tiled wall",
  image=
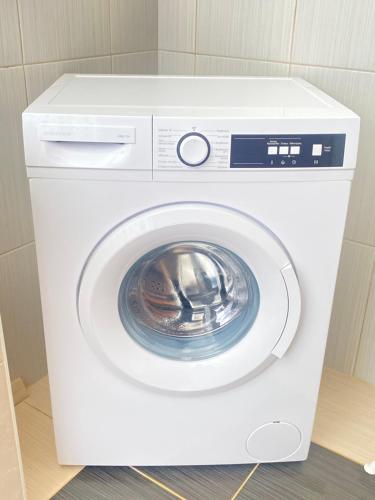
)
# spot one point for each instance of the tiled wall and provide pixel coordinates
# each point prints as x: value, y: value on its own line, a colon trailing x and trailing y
x: 40, y: 40
x: 331, y: 43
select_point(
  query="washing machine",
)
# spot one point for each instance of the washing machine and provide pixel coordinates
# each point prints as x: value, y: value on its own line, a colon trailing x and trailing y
x: 188, y: 234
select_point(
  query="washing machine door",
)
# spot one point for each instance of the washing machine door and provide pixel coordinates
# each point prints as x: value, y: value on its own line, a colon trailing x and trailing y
x: 189, y: 297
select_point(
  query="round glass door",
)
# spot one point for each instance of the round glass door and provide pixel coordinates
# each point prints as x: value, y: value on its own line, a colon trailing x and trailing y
x: 188, y: 297
x: 188, y: 300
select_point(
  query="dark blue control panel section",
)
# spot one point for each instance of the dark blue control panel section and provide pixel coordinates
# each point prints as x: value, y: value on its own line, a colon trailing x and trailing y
x: 287, y: 151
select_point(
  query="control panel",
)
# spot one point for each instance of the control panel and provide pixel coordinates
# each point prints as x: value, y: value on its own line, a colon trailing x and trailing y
x: 287, y: 151
x: 177, y: 147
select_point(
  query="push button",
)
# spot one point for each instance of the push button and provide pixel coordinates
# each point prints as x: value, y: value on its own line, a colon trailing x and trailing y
x: 317, y: 149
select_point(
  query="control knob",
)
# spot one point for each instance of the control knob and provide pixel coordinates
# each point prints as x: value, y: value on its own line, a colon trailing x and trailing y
x: 193, y: 149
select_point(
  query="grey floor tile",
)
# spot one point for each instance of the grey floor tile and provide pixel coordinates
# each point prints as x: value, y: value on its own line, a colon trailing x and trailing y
x: 111, y: 483
x: 217, y: 482
x: 323, y: 476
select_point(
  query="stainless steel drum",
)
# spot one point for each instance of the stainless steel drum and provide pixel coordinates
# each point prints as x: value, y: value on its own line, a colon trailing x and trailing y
x: 185, y: 299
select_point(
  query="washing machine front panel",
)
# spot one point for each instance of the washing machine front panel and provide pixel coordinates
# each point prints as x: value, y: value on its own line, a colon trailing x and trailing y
x: 189, y: 297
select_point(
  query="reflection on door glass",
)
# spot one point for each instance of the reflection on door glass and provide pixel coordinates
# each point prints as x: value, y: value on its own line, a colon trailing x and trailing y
x: 188, y: 300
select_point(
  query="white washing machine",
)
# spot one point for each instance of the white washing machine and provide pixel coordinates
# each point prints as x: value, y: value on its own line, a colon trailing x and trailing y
x: 188, y: 234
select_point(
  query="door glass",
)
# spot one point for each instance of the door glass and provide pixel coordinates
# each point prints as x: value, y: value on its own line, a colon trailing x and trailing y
x: 188, y: 300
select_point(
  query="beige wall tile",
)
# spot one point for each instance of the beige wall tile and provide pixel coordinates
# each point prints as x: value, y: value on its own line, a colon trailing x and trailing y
x: 210, y: 65
x: 253, y: 29
x: 10, y: 40
x: 15, y: 210
x: 21, y: 314
x: 175, y: 63
x: 137, y: 63
x: 335, y: 33
x: 176, y: 25
x: 39, y: 396
x: 10, y: 474
x: 134, y: 25
x: 344, y: 421
x: 352, y: 289
x: 356, y: 90
x: 53, y: 29
x: 41, y: 76
x: 365, y: 364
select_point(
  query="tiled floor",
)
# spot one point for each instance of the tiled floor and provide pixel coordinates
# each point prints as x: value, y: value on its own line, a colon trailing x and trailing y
x: 324, y: 475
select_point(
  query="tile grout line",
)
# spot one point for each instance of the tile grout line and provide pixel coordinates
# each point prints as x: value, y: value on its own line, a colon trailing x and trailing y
x: 35, y: 408
x: 157, y: 483
x: 350, y: 240
x: 22, y: 51
x: 272, y: 61
x: 55, y: 61
x: 157, y: 37
x: 81, y: 58
x: 231, y: 58
x: 355, y: 361
x: 15, y: 249
x: 245, y: 481
x: 195, y: 37
x: 291, y: 45
x: 110, y: 36
x: 20, y: 32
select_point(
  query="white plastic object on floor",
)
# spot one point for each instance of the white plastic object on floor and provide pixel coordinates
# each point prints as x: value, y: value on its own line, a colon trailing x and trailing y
x: 370, y: 468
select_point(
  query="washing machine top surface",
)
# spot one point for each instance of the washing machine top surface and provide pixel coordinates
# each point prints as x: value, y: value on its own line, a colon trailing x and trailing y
x: 161, y: 124
x: 191, y: 92
x: 176, y: 95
